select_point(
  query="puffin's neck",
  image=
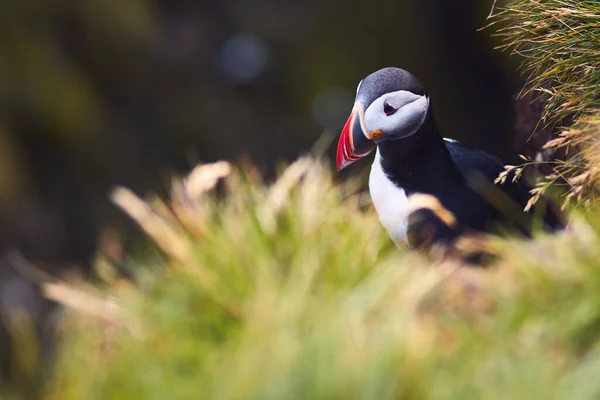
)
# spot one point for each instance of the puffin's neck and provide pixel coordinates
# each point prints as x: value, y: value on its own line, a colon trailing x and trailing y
x: 410, y: 160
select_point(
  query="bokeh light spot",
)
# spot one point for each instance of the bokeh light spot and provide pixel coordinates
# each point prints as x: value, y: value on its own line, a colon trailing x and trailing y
x: 242, y: 58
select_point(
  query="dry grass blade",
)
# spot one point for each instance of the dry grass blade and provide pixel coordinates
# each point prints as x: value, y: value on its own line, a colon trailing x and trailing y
x: 421, y: 201
x: 169, y: 240
x: 82, y: 301
x: 205, y: 177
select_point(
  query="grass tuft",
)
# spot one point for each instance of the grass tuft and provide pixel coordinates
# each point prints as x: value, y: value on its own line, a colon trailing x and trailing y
x: 292, y: 290
x: 559, y: 42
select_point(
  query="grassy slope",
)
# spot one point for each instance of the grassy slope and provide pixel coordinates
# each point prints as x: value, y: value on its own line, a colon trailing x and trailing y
x: 293, y: 291
x: 290, y: 291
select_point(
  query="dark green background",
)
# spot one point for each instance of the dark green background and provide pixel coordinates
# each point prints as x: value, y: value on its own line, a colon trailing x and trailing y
x: 96, y: 93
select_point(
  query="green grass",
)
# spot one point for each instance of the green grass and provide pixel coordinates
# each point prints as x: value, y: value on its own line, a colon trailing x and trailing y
x: 293, y: 291
x: 559, y: 43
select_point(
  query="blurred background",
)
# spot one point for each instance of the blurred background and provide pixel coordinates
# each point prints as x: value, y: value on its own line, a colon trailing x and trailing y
x: 99, y: 93
x: 95, y: 93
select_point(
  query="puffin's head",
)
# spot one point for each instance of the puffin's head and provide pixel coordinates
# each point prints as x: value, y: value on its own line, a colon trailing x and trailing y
x: 390, y: 104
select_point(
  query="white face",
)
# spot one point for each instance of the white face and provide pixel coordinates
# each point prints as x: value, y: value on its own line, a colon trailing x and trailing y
x: 397, y: 114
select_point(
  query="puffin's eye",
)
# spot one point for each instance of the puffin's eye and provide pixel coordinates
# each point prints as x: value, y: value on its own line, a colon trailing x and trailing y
x: 387, y: 109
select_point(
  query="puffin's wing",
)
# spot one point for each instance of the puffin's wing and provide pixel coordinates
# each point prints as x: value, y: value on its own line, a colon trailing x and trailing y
x: 470, y: 161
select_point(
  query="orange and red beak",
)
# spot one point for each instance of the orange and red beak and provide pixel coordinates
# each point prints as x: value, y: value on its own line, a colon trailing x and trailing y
x: 353, y: 144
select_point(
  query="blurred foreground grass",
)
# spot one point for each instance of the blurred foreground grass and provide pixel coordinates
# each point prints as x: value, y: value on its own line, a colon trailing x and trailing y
x: 292, y: 290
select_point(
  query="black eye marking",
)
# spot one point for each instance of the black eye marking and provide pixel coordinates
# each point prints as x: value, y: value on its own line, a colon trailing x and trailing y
x: 387, y: 109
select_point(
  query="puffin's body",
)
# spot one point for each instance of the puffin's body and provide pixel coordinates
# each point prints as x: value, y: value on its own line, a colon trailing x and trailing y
x: 392, y: 113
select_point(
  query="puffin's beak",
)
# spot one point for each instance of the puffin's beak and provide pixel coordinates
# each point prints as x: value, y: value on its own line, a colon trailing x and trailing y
x: 353, y: 144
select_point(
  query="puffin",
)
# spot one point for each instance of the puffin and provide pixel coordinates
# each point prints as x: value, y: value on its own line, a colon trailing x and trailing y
x: 428, y: 189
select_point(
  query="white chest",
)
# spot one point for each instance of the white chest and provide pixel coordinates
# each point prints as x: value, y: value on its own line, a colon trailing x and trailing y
x: 390, y: 202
